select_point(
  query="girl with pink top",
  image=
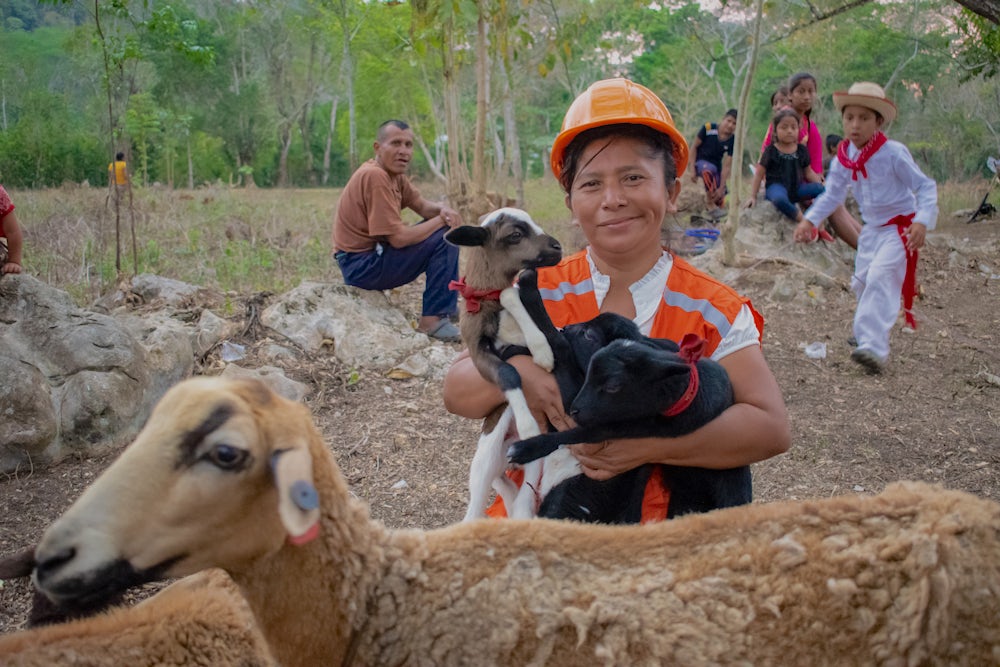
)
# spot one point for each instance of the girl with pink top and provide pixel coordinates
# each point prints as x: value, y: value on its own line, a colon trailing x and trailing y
x: 802, y: 95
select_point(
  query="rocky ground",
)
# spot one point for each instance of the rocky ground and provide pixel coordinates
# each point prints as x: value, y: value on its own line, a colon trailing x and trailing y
x: 934, y: 414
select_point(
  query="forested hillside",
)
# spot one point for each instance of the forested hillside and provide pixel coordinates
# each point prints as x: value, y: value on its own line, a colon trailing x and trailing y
x: 289, y: 93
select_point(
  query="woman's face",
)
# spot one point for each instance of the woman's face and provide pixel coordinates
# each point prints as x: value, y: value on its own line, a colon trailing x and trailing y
x: 803, y: 96
x: 619, y: 197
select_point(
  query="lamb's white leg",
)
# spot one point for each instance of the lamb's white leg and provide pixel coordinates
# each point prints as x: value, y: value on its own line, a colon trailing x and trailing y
x: 506, y: 489
x: 488, y: 465
x: 527, y: 427
x: 534, y: 339
x: 525, y: 506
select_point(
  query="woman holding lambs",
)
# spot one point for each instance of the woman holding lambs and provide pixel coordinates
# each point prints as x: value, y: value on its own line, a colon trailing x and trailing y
x: 617, y: 158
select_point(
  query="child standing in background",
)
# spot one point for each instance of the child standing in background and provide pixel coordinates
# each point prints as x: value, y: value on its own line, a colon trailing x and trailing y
x: 802, y: 96
x: 11, y: 238
x: 786, y: 165
x: 898, y: 205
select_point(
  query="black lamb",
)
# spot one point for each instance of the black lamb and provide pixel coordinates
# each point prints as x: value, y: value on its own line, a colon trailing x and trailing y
x: 617, y: 383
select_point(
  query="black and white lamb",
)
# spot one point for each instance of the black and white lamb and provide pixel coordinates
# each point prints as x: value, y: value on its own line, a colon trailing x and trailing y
x: 507, y: 242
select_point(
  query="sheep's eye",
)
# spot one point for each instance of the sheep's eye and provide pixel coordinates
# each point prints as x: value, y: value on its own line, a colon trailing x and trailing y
x: 515, y: 237
x: 612, y: 387
x: 226, y: 456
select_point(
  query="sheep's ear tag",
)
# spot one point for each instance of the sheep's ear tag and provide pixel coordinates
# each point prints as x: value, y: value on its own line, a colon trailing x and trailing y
x: 298, y: 501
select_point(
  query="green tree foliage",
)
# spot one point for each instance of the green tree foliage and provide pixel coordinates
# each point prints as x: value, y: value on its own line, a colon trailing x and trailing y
x: 291, y: 92
x: 980, y: 52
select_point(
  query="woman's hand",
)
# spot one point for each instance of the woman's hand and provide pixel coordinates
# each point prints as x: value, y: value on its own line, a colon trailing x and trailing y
x: 604, y: 460
x: 541, y: 391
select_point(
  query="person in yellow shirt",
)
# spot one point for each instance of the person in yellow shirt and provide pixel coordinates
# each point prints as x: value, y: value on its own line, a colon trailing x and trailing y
x: 118, y: 171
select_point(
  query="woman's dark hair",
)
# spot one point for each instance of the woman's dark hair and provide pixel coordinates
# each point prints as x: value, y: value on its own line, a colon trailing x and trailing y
x: 781, y: 114
x: 832, y: 141
x: 659, y: 145
x: 120, y: 156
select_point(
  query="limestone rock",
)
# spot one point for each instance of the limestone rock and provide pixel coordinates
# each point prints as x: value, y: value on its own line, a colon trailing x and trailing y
x: 273, y: 377
x: 365, y: 329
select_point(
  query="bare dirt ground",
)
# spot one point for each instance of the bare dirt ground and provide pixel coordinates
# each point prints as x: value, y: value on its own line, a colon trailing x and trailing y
x: 934, y: 415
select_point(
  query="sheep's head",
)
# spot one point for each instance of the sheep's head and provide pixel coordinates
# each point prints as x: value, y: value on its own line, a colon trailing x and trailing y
x: 220, y: 475
x: 629, y: 380
x: 508, y: 241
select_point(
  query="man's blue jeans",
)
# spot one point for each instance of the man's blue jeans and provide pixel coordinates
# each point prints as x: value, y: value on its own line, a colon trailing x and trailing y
x: 387, y: 267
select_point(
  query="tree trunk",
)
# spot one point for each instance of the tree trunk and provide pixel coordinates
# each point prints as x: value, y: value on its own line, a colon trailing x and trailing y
x: 347, y: 63
x: 457, y: 179
x: 732, y: 220
x: 286, y: 145
x: 328, y: 150
x: 190, y: 165
x: 511, y: 135
x: 482, y: 103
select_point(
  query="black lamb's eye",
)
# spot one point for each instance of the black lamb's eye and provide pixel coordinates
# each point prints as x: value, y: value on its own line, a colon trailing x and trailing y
x: 612, y: 387
x: 227, y: 457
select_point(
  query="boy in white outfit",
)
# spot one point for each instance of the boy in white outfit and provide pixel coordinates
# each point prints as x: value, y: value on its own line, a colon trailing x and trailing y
x: 898, y: 205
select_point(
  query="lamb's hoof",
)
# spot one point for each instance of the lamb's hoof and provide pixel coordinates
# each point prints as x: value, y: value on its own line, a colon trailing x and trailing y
x: 520, y: 455
x: 545, y: 360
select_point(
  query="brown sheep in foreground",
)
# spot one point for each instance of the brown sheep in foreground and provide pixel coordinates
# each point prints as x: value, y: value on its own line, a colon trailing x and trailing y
x: 199, y: 621
x: 909, y: 577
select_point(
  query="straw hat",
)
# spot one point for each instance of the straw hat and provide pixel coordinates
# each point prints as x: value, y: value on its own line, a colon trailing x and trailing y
x: 866, y: 94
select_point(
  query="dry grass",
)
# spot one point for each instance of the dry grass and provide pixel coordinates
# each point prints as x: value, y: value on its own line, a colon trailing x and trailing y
x: 244, y: 240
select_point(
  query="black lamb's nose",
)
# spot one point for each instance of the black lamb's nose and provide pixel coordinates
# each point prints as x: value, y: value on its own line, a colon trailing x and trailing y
x: 53, y: 562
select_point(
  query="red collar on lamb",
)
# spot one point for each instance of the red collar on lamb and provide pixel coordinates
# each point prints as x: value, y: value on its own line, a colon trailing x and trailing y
x: 473, y: 297
x: 691, y: 349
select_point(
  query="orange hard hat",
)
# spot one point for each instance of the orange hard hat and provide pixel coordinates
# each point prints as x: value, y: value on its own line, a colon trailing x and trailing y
x: 615, y: 101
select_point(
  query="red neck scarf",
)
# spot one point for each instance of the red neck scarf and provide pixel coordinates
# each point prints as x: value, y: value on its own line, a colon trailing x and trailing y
x: 473, y: 297
x: 876, y: 142
x: 692, y: 347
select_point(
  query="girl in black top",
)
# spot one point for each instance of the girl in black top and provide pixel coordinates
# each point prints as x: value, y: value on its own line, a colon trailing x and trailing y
x: 786, y: 165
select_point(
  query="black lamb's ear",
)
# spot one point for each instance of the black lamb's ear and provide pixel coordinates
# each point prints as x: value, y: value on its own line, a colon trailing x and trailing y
x: 467, y: 235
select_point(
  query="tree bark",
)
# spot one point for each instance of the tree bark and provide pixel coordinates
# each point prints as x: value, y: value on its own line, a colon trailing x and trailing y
x: 482, y: 102
x: 988, y: 9
x: 732, y: 220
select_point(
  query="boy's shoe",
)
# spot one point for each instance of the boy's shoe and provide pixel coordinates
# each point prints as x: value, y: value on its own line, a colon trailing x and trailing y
x: 445, y: 331
x: 869, y: 360
x: 852, y: 341
x: 717, y: 213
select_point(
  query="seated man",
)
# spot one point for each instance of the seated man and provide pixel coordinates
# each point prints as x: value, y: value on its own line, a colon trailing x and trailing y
x: 376, y: 250
x: 713, y: 160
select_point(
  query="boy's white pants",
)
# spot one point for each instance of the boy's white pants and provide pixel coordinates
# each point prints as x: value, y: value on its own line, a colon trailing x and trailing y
x: 879, y: 270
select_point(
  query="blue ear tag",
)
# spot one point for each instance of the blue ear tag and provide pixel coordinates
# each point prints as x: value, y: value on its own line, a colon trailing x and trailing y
x: 304, y: 495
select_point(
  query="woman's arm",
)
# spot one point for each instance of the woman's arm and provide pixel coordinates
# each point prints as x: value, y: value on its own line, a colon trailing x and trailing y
x: 754, y: 428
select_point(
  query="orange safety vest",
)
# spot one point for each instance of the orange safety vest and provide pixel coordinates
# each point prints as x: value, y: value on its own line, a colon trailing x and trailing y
x: 693, y: 302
